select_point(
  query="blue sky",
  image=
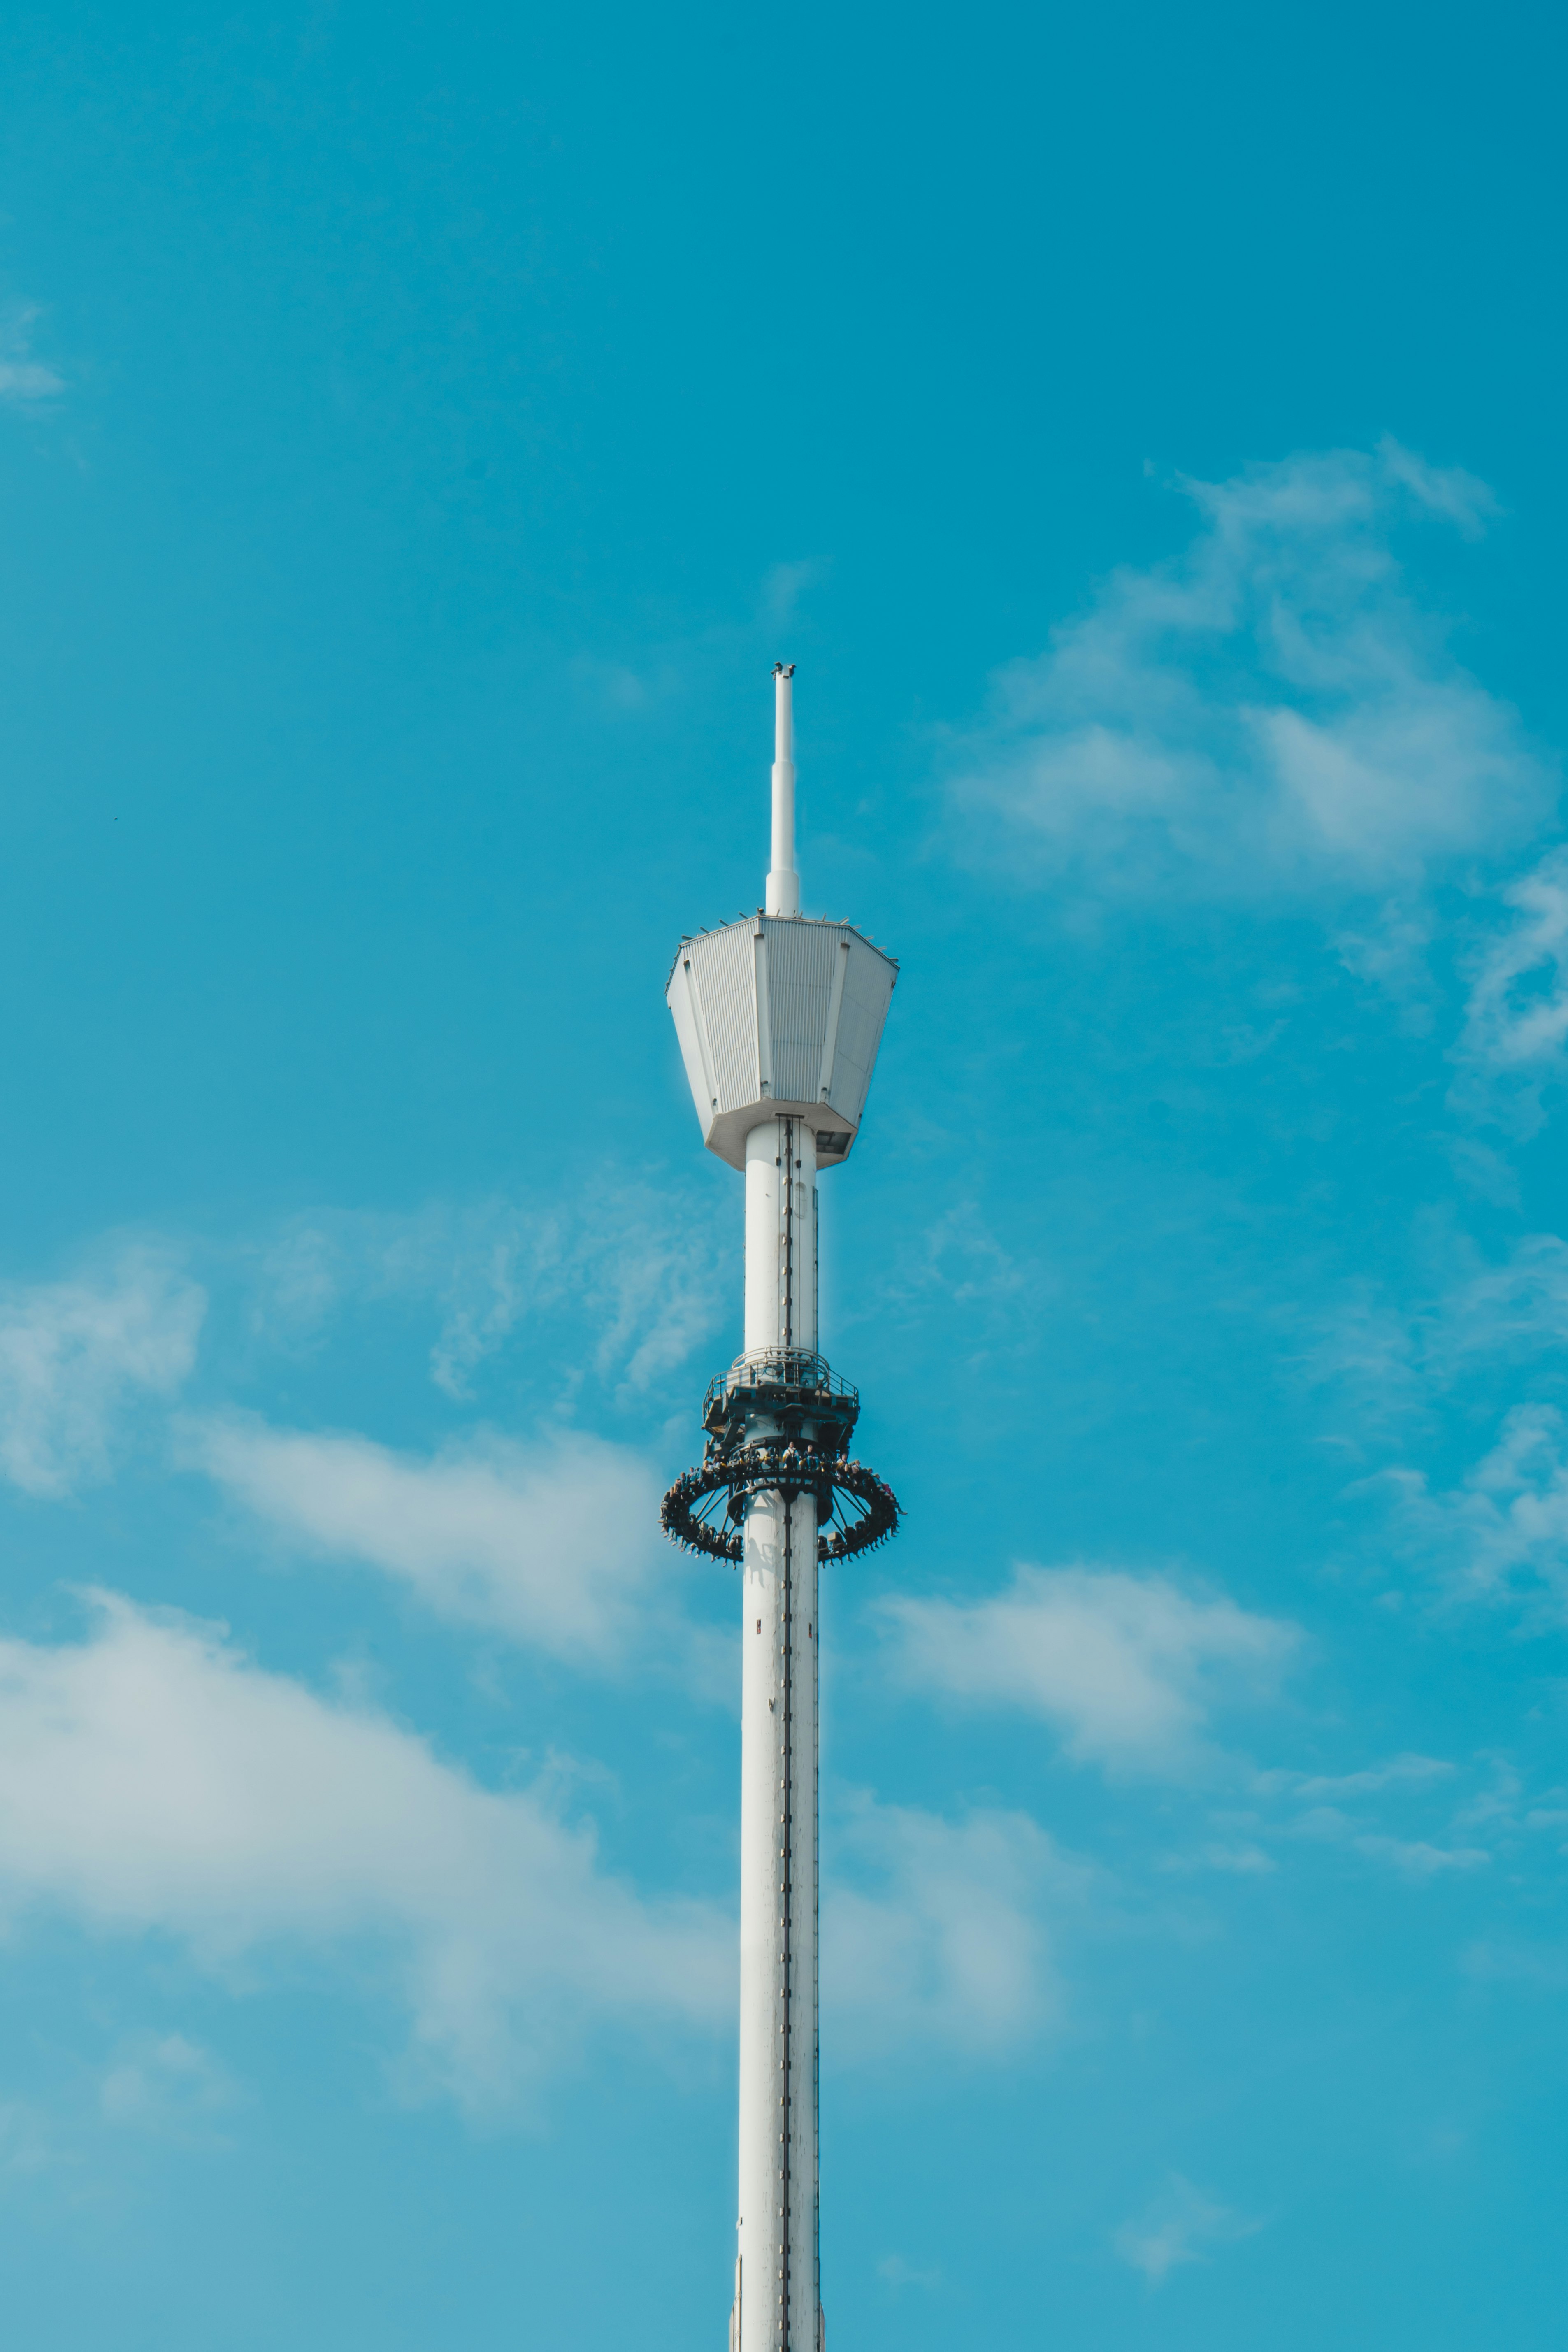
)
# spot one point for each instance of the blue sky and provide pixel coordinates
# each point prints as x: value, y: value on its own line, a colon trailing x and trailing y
x: 420, y: 432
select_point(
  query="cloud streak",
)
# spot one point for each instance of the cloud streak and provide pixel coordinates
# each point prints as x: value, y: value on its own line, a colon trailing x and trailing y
x: 1515, y: 1037
x: 552, y: 1544
x: 635, y: 1267
x: 1501, y: 1535
x: 24, y: 382
x: 76, y: 1357
x: 155, y: 1781
x: 935, y: 1932
x: 1128, y: 1670
x: 1269, y: 712
x: 166, y: 2085
x: 1181, y: 2225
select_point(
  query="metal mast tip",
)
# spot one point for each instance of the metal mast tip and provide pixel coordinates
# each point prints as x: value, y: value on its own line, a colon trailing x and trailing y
x: 783, y: 893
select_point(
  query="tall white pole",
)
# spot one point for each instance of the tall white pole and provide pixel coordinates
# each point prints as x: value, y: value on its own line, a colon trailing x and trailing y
x: 783, y: 893
x: 778, y: 2305
x: 776, y: 2298
x: 762, y: 1008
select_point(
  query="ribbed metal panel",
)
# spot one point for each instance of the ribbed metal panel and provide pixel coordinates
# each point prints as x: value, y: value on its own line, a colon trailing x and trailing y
x: 867, y: 989
x: 800, y: 983
x: 722, y: 964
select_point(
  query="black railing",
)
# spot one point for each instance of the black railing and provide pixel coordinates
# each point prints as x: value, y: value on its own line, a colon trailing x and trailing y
x: 790, y: 1375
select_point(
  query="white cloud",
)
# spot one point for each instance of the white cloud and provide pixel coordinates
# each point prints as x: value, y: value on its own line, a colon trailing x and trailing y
x: 962, y: 1257
x: 1129, y: 1669
x: 155, y: 1782
x: 1270, y: 711
x: 1417, y: 1857
x: 1421, y: 1827
x: 645, y: 1272
x: 1405, y: 1771
x: 941, y: 1942
x: 27, y: 2143
x: 784, y: 585
x: 1466, y: 502
x: 1180, y: 2225
x: 1543, y: 1967
x: 1375, y: 1353
x: 1502, y: 1534
x: 552, y: 1544
x: 898, y: 2273
x: 73, y: 1356
x: 1390, y: 950
x: 24, y: 380
x: 1413, y: 1858
x: 166, y: 2084
x: 1232, y: 1861
x: 1516, y: 1024
x: 1518, y: 1307
x: 1393, y: 1360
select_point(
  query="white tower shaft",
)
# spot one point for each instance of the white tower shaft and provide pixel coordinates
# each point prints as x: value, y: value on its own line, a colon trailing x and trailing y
x: 776, y: 2283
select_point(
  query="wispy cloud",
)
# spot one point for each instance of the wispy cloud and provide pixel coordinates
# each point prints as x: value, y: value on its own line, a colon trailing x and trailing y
x: 552, y: 1544
x: 1180, y: 2225
x: 1515, y: 1308
x: 1515, y: 1037
x: 1419, y: 1859
x: 167, y: 2085
x: 1374, y: 1355
x: 1402, y: 1772
x: 643, y: 1273
x: 1130, y: 1670
x: 75, y: 1356
x: 25, y: 381
x: 1502, y: 1534
x: 960, y: 1257
x: 1231, y: 1860
x: 934, y: 1931
x: 898, y: 2273
x: 1462, y: 1320
x: 1419, y: 1818
x: 669, y: 681
x: 28, y: 2142
x: 1270, y: 711
x: 1542, y: 1967
x: 152, y: 1779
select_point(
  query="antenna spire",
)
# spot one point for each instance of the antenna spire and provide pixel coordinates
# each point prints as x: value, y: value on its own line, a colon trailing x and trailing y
x: 783, y: 896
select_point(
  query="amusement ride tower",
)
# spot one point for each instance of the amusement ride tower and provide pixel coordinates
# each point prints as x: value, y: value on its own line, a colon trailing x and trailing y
x: 779, y: 1017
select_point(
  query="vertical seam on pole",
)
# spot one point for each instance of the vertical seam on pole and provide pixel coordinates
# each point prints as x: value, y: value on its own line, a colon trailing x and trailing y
x: 786, y: 1205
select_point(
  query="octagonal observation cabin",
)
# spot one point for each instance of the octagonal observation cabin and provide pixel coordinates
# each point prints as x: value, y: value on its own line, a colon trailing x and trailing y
x: 780, y: 1016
